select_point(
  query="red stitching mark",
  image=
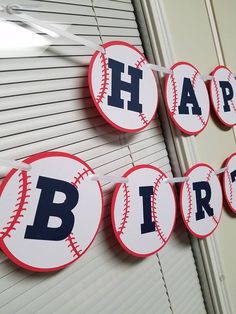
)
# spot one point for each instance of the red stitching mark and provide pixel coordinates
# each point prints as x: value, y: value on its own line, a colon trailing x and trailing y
x: 175, y: 96
x: 217, y: 95
x: 143, y: 118
x: 140, y: 62
x: 80, y: 177
x: 19, y: 206
x: 125, y: 209
x: 157, y: 184
x: 230, y: 187
x: 201, y: 120
x: 193, y: 81
x: 229, y: 76
x: 208, y: 178
x: 105, y: 79
x: 194, y: 78
x: 190, y: 203
x: 73, y: 245
x: 138, y: 65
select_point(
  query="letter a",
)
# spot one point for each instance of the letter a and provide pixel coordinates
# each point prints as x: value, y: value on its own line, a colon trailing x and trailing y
x: 188, y: 97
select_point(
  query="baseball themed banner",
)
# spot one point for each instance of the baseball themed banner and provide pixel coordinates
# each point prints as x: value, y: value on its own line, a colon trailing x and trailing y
x: 123, y: 87
x: 223, y: 95
x: 143, y: 211
x: 50, y: 215
x: 201, y: 200
x: 229, y: 182
x: 187, y: 98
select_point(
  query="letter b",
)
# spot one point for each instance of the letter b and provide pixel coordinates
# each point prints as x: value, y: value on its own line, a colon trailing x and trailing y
x: 47, y: 208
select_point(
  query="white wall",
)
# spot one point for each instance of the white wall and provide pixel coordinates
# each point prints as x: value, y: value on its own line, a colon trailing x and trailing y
x: 193, y: 40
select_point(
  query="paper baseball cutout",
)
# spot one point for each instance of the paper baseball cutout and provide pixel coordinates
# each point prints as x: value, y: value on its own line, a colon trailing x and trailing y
x: 143, y: 211
x: 201, y: 200
x: 223, y: 95
x: 186, y: 98
x: 122, y: 86
x: 229, y: 184
x: 50, y: 215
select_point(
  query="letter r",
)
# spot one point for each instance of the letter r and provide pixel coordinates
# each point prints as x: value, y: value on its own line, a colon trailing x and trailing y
x: 203, y: 201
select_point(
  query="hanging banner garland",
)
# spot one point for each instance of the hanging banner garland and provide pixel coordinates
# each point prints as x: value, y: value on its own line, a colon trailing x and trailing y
x: 123, y: 87
x: 143, y: 211
x: 223, y: 95
x: 229, y: 182
x: 44, y: 212
x: 201, y: 200
x: 187, y: 98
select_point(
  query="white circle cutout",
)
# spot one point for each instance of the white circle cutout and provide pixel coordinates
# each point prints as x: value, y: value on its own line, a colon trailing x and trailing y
x: 21, y: 195
x: 203, y: 227
x: 123, y: 59
x: 140, y: 230
x: 222, y: 73
x: 188, y: 123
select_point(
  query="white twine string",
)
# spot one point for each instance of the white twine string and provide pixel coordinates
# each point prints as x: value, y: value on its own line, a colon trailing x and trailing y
x: 162, y: 69
x: 51, y: 30
x: 108, y: 178
x: 23, y: 166
x: 221, y: 170
x: 177, y: 180
x: 207, y: 77
x: 185, y: 179
x: 159, y: 68
x: 15, y: 164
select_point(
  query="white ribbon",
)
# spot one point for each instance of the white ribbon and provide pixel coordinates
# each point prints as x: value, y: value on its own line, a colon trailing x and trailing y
x: 177, y: 180
x: 15, y: 164
x: 159, y: 68
x: 207, y: 77
x: 51, y: 30
x: 108, y: 178
x: 221, y: 170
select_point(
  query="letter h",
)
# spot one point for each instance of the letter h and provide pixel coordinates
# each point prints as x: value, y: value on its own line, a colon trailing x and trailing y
x: 117, y: 85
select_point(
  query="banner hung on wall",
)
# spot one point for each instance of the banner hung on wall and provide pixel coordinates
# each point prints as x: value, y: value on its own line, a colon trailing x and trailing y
x: 48, y: 217
x: 123, y: 87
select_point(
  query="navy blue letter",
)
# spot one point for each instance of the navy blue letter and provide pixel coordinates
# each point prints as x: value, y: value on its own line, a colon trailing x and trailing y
x: 188, y: 97
x: 47, y: 208
x: 148, y: 225
x: 228, y: 94
x: 233, y: 176
x: 203, y: 201
x: 117, y: 85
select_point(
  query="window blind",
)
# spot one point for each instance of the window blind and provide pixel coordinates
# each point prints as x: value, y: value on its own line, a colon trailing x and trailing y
x: 46, y: 105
